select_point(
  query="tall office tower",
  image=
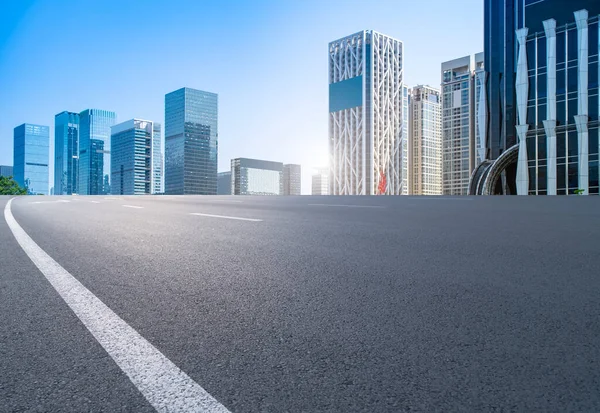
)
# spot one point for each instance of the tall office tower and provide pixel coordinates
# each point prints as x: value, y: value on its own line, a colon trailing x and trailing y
x: 366, y: 117
x: 463, y: 104
x: 425, y: 144
x: 256, y: 177
x: 131, y: 163
x: 191, y: 148
x: 157, y: 159
x: 542, y: 97
x: 320, y: 182
x: 31, y: 157
x: 94, y: 151
x: 292, y: 179
x: 66, y: 153
x: 6, y: 170
x: 224, y: 183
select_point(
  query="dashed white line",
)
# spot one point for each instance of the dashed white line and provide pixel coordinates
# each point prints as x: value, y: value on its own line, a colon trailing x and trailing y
x: 112, y: 198
x: 50, y: 202
x: 347, y: 206
x: 133, y: 206
x: 226, y: 217
x: 94, y: 202
x: 166, y: 387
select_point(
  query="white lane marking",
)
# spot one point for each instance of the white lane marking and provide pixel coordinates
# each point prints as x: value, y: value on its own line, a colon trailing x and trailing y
x: 49, y: 202
x: 347, y: 206
x: 226, y: 200
x: 94, y: 202
x: 132, y: 206
x: 166, y: 387
x: 226, y: 217
x: 109, y: 197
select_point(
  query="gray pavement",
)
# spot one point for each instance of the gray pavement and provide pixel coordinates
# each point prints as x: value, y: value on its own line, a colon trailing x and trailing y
x: 327, y: 304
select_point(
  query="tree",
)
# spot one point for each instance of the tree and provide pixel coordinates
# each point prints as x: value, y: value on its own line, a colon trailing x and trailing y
x: 8, y: 186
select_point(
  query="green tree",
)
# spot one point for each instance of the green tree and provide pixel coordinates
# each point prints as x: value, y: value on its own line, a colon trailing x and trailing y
x: 8, y: 186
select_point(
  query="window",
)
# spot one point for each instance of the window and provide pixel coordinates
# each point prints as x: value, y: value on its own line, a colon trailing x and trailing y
x: 572, y: 45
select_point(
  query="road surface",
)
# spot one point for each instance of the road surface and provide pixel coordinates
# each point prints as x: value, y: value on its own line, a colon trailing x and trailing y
x: 302, y: 304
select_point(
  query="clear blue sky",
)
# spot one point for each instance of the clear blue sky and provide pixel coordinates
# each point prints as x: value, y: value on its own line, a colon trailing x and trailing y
x: 266, y: 59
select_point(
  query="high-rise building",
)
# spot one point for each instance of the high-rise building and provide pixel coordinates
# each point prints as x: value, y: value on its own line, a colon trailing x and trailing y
x: 292, y: 179
x: 191, y: 148
x: 131, y: 157
x: 320, y: 182
x: 367, y: 98
x: 94, y: 151
x: 541, y: 60
x: 66, y: 153
x: 157, y: 159
x: 6, y: 170
x: 463, y: 103
x: 224, y: 183
x: 425, y: 144
x: 256, y: 177
x: 31, y: 158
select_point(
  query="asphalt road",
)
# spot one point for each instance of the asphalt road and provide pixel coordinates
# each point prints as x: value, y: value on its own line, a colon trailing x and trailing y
x: 314, y: 304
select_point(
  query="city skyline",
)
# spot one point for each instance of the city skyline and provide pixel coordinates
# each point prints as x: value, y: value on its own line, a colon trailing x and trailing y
x: 254, y: 79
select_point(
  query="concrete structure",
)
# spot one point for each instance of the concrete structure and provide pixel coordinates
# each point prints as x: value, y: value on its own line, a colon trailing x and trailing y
x: 224, y: 183
x: 191, y: 148
x: 463, y: 104
x: 66, y: 153
x: 256, y: 177
x: 366, y: 117
x: 31, y: 157
x: 6, y: 170
x: 131, y: 163
x: 320, y: 182
x: 292, y: 179
x: 425, y: 145
x: 94, y: 151
x: 542, y: 134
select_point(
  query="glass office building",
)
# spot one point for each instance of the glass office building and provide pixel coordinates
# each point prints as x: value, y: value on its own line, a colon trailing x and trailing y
x: 367, y: 119
x: 256, y: 177
x: 131, y: 157
x: 224, y: 183
x: 320, y: 182
x: 191, y: 142
x: 549, y: 146
x: 463, y: 105
x: 157, y: 159
x: 31, y: 157
x: 6, y: 170
x: 292, y: 179
x: 94, y: 151
x: 66, y: 153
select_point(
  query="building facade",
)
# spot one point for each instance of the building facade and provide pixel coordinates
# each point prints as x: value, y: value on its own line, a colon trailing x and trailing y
x: 6, y: 170
x: 463, y: 102
x: 256, y: 177
x: 320, y: 182
x: 131, y: 157
x: 292, y: 179
x: 94, y: 151
x: 425, y: 144
x: 31, y: 157
x: 366, y: 117
x: 550, y: 145
x: 191, y: 142
x: 66, y: 153
x: 157, y: 159
x: 224, y: 183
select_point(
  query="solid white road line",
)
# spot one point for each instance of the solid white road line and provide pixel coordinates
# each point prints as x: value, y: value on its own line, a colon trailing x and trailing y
x: 226, y: 217
x: 347, y: 206
x: 163, y: 384
x: 132, y: 206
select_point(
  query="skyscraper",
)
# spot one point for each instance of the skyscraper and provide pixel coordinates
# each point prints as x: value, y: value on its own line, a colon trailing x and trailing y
x: 292, y: 179
x: 542, y: 89
x: 94, y: 151
x: 191, y: 148
x: 256, y: 177
x: 366, y: 117
x: 224, y: 183
x: 31, y: 157
x: 157, y: 159
x: 463, y: 104
x: 131, y: 163
x: 6, y: 170
x: 320, y: 182
x: 66, y: 153
x: 425, y: 141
